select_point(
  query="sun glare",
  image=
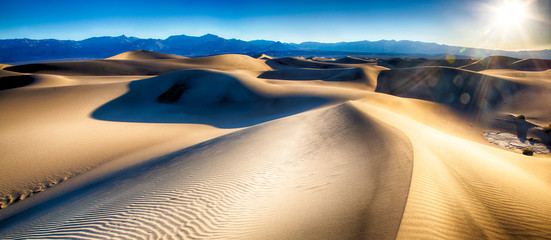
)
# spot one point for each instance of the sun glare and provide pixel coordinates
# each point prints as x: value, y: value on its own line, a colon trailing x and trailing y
x: 508, y: 23
x: 510, y: 12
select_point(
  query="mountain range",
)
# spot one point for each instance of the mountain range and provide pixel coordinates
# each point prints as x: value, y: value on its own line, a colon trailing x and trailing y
x: 28, y: 50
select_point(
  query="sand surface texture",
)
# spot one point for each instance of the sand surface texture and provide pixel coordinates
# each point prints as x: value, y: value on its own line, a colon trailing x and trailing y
x: 147, y: 145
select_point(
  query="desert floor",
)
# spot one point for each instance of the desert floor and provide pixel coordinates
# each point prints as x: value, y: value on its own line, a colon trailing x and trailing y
x: 148, y: 145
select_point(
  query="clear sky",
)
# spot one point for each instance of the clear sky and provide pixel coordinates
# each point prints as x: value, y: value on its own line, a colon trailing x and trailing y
x: 495, y: 24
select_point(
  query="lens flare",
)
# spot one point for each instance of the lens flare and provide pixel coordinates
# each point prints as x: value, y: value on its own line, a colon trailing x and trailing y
x: 465, y: 98
x: 450, y: 58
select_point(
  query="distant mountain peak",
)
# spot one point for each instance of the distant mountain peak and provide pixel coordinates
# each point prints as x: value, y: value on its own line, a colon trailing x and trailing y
x: 208, y: 35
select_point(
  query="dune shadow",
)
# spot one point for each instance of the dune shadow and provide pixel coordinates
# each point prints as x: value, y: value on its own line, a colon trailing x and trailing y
x: 307, y: 74
x: 16, y: 81
x: 294, y: 62
x: 522, y: 129
x: 201, y: 97
x: 468, y: 92
x: 301, y: 74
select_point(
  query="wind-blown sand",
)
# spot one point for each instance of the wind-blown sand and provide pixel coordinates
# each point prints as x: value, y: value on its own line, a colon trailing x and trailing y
x: 148, y: 145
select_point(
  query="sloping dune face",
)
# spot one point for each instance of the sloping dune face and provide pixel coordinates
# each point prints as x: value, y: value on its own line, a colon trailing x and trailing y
x: 10, y: 79
x: 532, y: 65
x: 463, y: 90
x: 291, y: 178
x: 492, y: 97
x: 230, y: 61
x: 493, y: 62
x: 362, y: 73
x: 100, y: 68
x: 501, y: 62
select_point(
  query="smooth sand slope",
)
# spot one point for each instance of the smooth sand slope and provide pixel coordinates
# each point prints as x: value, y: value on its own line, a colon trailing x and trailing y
x: 290, y: 178
x: 146, y: 145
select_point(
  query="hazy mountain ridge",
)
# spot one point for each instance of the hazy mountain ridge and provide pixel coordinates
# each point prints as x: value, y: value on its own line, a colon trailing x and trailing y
x: 19, y: 50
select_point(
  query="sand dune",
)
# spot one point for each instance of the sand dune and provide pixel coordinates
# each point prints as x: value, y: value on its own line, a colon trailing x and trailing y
x: 100, y: 67
x: 465, y: 90
x: 216, y: 98
x: 366, y: 76
x: 493, y: 62
x: 300, y: 62
x: 5, y: 73
x: 47, y: 136
x: 354, y: 73
x: 464, y: 190
x: 501, y: 62
x: 264, y: 56
x: 322, y: 59
x: 147, y: 145
x: 532, y: 65
x: 142, y: 65
x: 230, y: 62
x: 354, y: 60
x: 536, y: 77
x: 422, y: 62
x: 48, y: 113
x: 489, y: 99
x: 9, y: 79
x: 233, y: 192
x: 142, y: 54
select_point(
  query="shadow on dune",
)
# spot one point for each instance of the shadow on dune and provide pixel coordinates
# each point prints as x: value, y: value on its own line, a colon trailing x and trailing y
x: 393, y: 63
x: 203, y: 97
x: 468, y: 92
x: 295, y: 62
x: 523, y: 128
x: 331, y: 75
x: 15, y: 81
x: 101, y: 67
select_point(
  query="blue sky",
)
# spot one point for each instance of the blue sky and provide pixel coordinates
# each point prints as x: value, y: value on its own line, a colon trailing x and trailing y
x: 454, y: 22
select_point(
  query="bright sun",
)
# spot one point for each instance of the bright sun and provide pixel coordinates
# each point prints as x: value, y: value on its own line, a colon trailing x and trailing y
x: 510, y: 12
